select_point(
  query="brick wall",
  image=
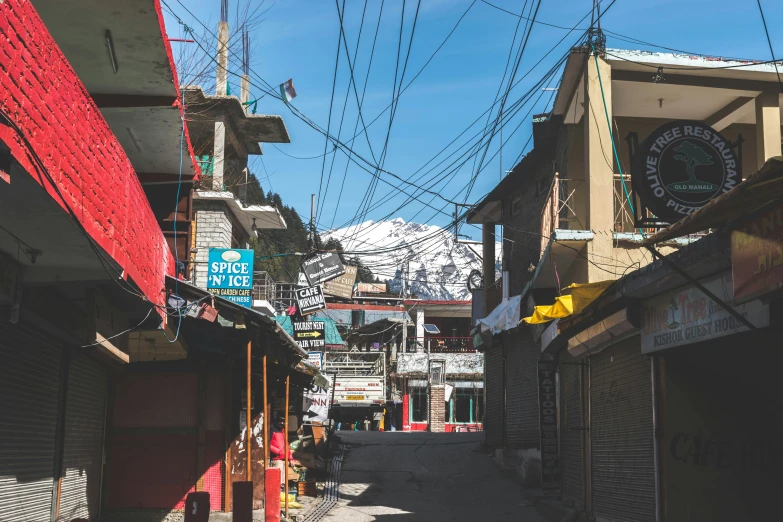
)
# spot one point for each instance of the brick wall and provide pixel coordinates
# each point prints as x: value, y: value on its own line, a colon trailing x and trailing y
x: 437, y: 408
x: 62, y: 127
x: 535, y: 175
x: 213, y: 230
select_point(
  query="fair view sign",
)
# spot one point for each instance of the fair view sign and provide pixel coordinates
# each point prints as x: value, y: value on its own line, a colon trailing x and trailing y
x: 688, y: 315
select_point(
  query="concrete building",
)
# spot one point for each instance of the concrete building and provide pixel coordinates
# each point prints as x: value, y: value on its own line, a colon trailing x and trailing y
x: 571, y: 214
x: 115, y: 373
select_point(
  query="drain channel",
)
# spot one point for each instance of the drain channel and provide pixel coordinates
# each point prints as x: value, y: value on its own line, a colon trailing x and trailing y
x: 331, y: 490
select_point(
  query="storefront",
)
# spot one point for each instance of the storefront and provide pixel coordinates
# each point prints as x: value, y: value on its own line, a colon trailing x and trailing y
x: 464, y: 409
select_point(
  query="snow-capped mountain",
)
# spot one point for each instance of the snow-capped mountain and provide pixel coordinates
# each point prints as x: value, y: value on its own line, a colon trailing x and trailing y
x: 438, y: 267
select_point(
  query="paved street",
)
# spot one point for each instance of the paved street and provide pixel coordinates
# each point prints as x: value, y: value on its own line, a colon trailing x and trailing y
x: 424, y: 477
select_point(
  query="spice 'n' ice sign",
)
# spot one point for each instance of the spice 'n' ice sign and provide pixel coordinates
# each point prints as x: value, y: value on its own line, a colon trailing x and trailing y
x: 230, y: 274
x: 310, y: 299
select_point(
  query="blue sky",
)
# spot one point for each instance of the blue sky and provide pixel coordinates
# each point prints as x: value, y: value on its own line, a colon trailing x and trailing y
x: 298, y: 39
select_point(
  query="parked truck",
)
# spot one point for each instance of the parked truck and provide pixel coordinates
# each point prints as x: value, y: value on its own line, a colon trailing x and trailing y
x: 359, y: 384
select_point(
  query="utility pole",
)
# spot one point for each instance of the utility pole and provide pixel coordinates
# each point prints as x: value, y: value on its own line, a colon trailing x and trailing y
x: 312, y: 222
x: 404, y: 312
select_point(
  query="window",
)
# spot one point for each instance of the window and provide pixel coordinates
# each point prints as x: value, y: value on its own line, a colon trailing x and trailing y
x: 467, y: 405
x: 418, y: 405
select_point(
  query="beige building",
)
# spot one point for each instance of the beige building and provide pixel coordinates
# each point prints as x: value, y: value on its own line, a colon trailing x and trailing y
x: 570, y: 214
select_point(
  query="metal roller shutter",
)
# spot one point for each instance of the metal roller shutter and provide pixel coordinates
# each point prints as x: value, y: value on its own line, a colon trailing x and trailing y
x: 29, y: 389
x: 83, y: 445
x: 522, y: 416
x: 571, y: 429
x: 623, y: 463
x: 495, y: 393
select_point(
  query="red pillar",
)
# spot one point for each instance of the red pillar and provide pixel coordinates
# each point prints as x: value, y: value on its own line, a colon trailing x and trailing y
x: 406, y: 400
x: 272, y: 495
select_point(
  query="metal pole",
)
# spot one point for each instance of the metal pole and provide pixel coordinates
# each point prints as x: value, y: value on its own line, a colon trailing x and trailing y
x: 249, y: 427
x: 285, y: 439
x: 266, y: 421
x: 429, y: 389
x: 312, y: 221
x: 265, y: 424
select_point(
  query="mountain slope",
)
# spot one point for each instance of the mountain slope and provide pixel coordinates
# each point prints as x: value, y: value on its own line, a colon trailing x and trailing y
x: 438, y: 267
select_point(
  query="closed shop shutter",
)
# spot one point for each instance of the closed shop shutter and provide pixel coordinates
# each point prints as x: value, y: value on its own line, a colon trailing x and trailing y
x: 571, y: 430
x: 83, y: 445
x: 493, y: 419
x: 522, y: 416
x: 623, y: 463
x: 29, y: 389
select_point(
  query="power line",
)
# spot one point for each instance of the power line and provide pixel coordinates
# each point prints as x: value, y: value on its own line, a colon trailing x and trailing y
x: 769, y: 41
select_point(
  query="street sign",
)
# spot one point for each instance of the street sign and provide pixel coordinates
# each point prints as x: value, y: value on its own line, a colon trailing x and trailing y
x: 315, y: 358
x: 321, y: 267
x: 310, y: 334
x: 342, y: 286
x: 310, y: 299
x: 550, y: 462
x: 230, y: 274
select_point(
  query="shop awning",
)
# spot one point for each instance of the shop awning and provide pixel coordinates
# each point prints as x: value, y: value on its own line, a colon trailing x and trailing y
x: 581, y: 296
x: 757, y: 191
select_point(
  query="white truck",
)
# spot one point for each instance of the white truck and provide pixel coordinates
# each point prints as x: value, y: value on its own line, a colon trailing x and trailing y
x: 359, y: 383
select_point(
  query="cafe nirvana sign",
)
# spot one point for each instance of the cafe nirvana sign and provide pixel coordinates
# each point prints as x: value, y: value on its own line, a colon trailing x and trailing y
x: 688, y: 315
x: 681, y: 166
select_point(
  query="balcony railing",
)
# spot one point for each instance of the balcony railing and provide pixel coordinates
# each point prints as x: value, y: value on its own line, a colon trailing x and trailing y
x: 263, y: 287
x: 440, y: 344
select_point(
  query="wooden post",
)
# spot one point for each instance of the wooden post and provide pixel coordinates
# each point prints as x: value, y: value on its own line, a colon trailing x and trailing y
x: 265, y: 439
x: 249, y: 460
x: 285, y: 439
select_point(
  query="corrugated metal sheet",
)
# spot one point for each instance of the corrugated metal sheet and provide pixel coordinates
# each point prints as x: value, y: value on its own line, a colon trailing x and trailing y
x: 341, y: 317
x: 623, y: 465
x: 494, y: 393
x: 571, y: 431
x: 83, y: 445
x: 29, y: 389
x: 522, y: 414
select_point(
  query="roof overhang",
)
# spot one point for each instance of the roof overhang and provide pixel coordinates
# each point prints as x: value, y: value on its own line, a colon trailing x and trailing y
x: 139, y: 98
x: 263, y: 216
x: 267, y: 327
x: 440, y: 308
x: 756, y: 192
x: 248, y: 129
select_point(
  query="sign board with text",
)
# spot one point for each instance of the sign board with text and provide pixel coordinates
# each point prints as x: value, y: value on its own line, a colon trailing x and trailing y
x: 321, y: 267
x: 309, y: 335
x: 688, y: 315
x: 757, y: 256
x: 230, y: 274
x: 310, y: 299
x: 315, y: 404
x: 316, y: 359
x: 547, y: 405
x: 342, y: 286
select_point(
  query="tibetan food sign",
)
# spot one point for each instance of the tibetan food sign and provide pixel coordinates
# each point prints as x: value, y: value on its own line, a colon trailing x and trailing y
x: 757, y: 256
x: 230, y: 274
x: 688, y: 315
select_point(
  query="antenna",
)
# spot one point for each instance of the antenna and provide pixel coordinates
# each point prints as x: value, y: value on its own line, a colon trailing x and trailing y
x: 245, y: 52
x: 224, y: 10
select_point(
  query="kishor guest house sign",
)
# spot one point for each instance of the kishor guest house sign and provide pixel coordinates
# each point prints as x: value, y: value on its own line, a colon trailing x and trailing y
x: 688, y: 315
x: 230, y: 274
x: 681, y: 166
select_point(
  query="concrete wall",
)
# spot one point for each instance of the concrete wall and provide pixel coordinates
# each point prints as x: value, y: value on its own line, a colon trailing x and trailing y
x: 46, y: 100
x: 213, y: 230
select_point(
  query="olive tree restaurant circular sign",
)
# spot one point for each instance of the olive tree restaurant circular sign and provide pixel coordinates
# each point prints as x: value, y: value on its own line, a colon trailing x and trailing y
x: 681, y: 166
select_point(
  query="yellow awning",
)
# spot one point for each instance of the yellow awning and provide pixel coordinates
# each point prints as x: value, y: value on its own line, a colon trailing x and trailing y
x: 581, y: 296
